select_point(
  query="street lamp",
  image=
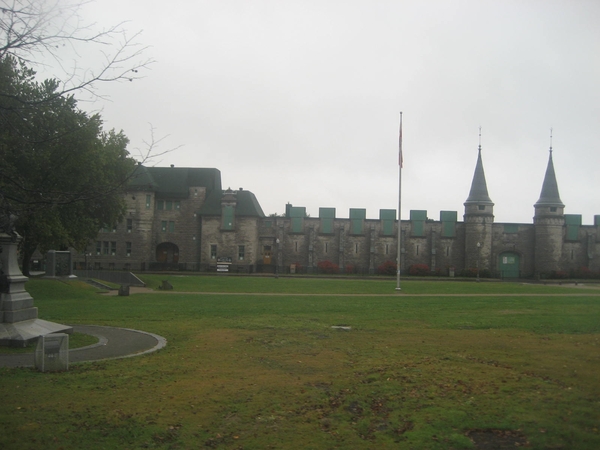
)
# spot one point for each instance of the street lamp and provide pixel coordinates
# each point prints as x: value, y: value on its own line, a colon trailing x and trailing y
x: 277, y: 262
x: 478, y: 251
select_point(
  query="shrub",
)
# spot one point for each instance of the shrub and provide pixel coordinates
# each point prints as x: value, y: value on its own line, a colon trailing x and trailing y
x: 558, y: 275
x: 350, y: 268
x: 328, y: 267
x: 419, y: 270
x: 387, y: 268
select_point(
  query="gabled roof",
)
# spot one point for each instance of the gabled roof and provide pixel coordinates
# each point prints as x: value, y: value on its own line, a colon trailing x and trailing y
x: 247, y: 204
x: 174, y: 182
x: 479, y: 191
x: 549, y: 195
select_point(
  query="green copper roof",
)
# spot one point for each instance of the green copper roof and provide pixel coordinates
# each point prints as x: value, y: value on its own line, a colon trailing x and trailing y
x: 479, y: 192
x: 549, y: 195
x: 174, y: 182
x: 247, y: 205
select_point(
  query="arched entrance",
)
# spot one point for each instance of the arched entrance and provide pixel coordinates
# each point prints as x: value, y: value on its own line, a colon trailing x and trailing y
x: 167, y: 253
x: 508, y: 263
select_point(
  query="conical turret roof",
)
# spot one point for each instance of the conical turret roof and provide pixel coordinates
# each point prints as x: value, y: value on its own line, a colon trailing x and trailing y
x: 479, y: 191
x: 549, y: 195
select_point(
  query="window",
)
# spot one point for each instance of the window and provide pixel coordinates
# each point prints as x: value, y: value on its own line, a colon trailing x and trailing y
x: 160, y: 205
x: 213, y: 251
x: 511, y: 228
x: 417, y: 250
x: 171, y: 226
x: 128, y: 248
x: 553, y: 209
x: 163, y: 225
x: 241, y: 252
x: 105, y: 247
x: 168, y: 205
x: 113, y: 248
x: 177, y: 205
x: 387, y: 249
x: 326, y: 247
x: 573, y: 222
x: 129, y: 225
x: 148, y: 201
x: 355, y: 248
x: 296, y: 246
x: 227, y: 217
x: 98, y: 248
x: 481, y: 207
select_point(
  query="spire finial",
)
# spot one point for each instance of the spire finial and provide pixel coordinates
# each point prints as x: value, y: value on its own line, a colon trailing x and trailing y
x: 479, y: 137
x: 550, y: 140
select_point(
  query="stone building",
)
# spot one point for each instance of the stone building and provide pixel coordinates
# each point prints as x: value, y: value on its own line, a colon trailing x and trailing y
x: 182, y: 219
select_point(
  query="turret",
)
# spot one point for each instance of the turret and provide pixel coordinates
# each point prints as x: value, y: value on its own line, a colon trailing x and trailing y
x: 479, y: 218
x: 549, y: 221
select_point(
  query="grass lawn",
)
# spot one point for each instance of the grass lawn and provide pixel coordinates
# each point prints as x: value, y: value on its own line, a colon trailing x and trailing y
x: 430, y: 368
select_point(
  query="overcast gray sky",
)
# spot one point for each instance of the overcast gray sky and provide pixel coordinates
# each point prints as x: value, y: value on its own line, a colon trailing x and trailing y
x: 299, y: 101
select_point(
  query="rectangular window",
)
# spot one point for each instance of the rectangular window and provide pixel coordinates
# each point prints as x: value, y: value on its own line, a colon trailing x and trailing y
x: 213, y: 251
x: 113, y: 248
x: 481, y: 207
x: 228, y: 217
x: 326, y: 247
x: 98, y: 248
x: 129, y: 225
x: 105, y: 248
x: 417, y: 250
x: 355, y: 248
x: 168, y: 205
x: 163, y: 225
x: 171, y: 226
x: 511, y: 228
x: 128, y: 248
x: 148, y: 201
x: 241, y: 252
x: 160, y: 205
x: 387, y: 249
x: 268, y: 224
x: 296, y: 246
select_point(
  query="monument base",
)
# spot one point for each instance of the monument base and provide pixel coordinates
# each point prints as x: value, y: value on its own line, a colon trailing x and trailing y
x: 19, y: 334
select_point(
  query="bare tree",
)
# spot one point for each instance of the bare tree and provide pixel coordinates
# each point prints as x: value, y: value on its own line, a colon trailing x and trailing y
x: 52, y: 34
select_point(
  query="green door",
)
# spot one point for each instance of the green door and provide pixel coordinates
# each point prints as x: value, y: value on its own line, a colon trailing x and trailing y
x: 509, y: 265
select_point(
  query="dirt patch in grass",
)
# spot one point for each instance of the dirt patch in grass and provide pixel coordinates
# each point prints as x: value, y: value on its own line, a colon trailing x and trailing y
x: 497, y: 439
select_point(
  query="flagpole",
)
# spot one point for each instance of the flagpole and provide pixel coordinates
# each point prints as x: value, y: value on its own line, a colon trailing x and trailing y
x: 400, y: 163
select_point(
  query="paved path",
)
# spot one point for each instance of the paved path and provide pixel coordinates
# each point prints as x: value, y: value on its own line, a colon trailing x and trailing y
x: 113, y: 343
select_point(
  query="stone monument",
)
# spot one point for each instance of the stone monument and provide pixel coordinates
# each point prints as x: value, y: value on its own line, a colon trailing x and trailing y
x: 19, y: 323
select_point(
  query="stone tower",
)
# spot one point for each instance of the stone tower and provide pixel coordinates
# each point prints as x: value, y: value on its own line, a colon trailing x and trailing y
x: 479, y: 218
x: 549, y: 221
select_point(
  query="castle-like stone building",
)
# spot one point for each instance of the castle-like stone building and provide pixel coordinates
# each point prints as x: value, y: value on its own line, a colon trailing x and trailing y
x: 182, y: 219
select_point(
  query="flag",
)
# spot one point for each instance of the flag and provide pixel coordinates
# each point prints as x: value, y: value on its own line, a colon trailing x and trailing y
x: 400, y: 157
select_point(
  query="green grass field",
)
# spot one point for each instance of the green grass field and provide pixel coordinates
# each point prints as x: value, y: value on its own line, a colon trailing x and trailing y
x: 254, y: 363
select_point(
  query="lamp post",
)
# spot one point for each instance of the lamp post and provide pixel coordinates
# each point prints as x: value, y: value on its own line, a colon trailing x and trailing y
x: 478, y: 251
x: 277, y: 262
